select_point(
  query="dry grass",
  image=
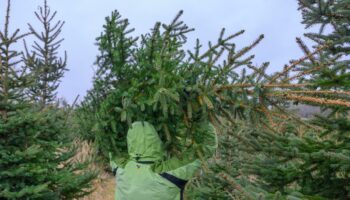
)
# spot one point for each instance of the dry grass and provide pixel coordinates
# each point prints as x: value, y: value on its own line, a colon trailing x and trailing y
x: 103, y: 189
x: 104, y: 184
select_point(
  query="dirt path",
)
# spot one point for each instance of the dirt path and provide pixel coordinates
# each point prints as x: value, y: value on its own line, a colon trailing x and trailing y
x: 104, y: 189
x: 104, y: 184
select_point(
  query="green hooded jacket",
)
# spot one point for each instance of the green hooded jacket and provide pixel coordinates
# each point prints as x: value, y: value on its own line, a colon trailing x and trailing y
x: 145, y: 175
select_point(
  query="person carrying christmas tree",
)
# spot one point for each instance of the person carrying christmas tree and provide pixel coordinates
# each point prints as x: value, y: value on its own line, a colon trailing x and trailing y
x: 144, y: 174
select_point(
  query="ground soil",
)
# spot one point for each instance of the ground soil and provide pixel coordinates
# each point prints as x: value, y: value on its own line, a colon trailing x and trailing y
x: 103, y: 189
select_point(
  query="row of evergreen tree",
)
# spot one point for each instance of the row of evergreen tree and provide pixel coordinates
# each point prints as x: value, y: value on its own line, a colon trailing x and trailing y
x: 35, y: 148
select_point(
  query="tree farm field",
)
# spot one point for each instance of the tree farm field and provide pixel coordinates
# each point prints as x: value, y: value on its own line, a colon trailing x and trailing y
x: 155, y: 100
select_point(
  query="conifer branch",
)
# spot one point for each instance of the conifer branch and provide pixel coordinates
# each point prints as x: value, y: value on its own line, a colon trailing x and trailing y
x: 297, y: 62
x: 235, y: 185
x: 247, y: 85
x: 306, y: 50
x: 320, y: 101
x: 318, y: 92
x: 220, y: 43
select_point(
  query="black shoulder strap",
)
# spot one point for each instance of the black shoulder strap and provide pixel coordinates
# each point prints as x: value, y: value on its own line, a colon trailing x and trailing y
x: 145, y: 162
x: 180, y: 183
x: 115, y: 171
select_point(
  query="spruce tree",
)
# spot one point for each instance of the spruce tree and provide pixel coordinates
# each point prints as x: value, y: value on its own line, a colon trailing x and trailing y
x: 293, y: 158
x: 35, y: 151
x: 13, y: 77
x: 44, y: 60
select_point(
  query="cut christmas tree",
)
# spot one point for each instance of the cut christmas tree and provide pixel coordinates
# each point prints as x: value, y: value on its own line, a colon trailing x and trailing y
x: 154, y: 78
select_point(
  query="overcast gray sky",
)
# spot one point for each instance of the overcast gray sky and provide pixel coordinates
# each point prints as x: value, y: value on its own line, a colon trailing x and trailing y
x: 279, y: 20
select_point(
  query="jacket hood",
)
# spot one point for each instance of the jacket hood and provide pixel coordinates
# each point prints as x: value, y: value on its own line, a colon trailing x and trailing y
x: 144, y: 143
